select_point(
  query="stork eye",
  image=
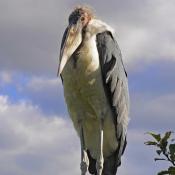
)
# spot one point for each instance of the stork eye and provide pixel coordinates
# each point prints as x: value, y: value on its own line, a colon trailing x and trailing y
x: 82, y: 18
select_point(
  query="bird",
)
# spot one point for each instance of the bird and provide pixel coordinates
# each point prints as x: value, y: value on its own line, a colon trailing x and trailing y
x: 95, y: 84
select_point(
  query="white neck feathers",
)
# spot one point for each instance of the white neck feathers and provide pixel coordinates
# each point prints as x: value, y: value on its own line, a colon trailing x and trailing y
x: 96, y: 26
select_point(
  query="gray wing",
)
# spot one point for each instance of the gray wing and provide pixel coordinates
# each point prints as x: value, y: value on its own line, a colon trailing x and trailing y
x: 115, y: 84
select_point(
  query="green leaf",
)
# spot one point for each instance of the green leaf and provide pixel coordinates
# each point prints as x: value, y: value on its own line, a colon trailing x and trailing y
x: 163, y: 145
x: 157, y: 137
x: 163, y: 172
x: 172, y: 157
x: 167, y: 135
x: 171, y: 170
x: 150, y: 143
x: 172, y: 148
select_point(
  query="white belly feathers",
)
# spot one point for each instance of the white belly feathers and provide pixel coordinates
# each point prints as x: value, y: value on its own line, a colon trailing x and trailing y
x: 86, y: 99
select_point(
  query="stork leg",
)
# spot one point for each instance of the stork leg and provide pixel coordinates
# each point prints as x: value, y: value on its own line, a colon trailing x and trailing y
x: 84, y: 157
x: 100, y: 159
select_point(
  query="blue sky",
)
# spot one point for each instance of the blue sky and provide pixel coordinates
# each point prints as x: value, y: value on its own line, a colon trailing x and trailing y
x: 36, y: 134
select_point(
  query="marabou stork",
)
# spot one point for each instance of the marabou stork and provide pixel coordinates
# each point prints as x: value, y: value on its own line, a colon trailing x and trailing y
x: 95, y: 90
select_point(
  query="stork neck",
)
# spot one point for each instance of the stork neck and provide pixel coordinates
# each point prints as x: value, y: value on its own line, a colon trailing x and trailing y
x: 96, y: 26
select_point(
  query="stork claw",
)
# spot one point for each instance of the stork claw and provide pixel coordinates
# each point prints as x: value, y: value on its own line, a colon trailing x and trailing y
x: 83, y: 167
x: 100, y: 159
x: 84, y: 157
x: 99, y: 166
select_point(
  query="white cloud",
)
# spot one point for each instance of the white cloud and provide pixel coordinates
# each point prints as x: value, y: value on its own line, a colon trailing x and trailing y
x: 145, y: 31
x: 153, y: 112
x: 163, y: 108
x: 3, y: 102
x: 44, y: 91
x: 35, y: 143
x: 47, y: 93
x: 5, y: 78
x: 40, y: 83
x: 39, y: 144
x: 32, y: 142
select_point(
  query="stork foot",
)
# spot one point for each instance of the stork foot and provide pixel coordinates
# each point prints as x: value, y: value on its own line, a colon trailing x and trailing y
x: 84, y: 163
x: 100, y: 159
x: 99, y: 166
x: 83, y: 167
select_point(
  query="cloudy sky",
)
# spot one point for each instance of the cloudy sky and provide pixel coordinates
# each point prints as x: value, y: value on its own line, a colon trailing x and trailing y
x: 36, y: 135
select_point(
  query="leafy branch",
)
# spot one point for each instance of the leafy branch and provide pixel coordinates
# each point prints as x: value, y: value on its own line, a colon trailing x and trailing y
x: 165, y: 149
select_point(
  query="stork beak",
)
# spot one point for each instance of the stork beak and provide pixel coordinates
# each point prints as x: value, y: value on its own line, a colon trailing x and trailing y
x: 71, y: 40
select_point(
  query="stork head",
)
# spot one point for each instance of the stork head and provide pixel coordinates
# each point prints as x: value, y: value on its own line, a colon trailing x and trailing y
x: 73, y: 34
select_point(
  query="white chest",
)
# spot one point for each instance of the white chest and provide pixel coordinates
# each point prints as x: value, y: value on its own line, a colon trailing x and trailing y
x: 85, y: 97
x: 86, y: 63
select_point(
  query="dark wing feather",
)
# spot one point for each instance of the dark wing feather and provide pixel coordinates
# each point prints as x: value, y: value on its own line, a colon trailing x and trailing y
x: 116, y: 85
